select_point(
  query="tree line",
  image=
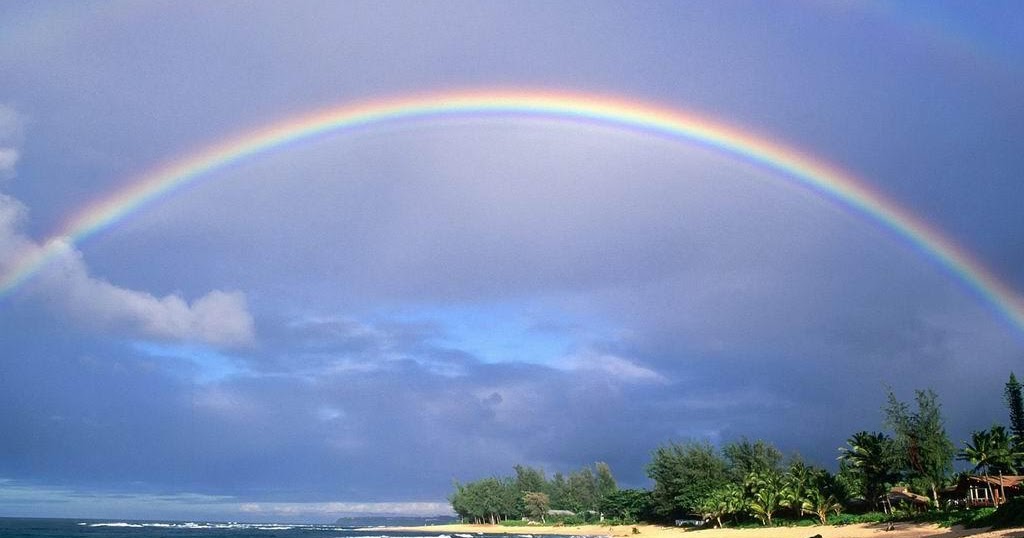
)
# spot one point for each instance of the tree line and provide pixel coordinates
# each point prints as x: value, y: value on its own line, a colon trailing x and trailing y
x: 531, y: 494
x: 746, y: 479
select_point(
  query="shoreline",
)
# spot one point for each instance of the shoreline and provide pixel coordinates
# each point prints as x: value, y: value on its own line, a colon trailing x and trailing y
x: 859, y: 530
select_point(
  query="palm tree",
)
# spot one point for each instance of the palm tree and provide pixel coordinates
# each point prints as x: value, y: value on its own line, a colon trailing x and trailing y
x: 982, y: 453
x: 766, y: 498
x: 1006, y: 452
x: 871, y: 455
x: 821, y: 503
x: 992, y: 449
x: 795, y: 485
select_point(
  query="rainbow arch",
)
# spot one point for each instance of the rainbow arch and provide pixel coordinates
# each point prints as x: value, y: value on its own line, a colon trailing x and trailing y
x: 809, y: 172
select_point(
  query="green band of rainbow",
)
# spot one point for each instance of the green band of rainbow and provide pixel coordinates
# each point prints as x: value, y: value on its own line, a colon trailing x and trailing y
x: 804, y: 170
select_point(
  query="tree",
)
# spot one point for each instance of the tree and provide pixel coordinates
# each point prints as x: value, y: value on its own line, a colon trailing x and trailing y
x: 537, y: 504
x: 627, y: 504
x: 529, y: 479
x: 744, y: 457
x: 606, y: 485
x: 727, y: 499
x: 795, y: 485
x: 713, y: 507
x: 581, y: 491
x: 684, y: 474
x: 923, y: 447
x: 870, y: 457
x: 991, y: 450
x: 765, y: 494
x: 820, y: 502
x: 557, y: 491
x: 1006, y: 451
x: 979, y: 452
x: 1015, y: 404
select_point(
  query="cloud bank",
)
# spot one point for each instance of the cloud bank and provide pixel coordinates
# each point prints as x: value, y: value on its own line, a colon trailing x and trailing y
x: 219, y: 317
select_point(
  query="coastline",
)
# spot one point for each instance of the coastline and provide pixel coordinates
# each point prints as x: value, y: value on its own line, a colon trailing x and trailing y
x: 861, y: 530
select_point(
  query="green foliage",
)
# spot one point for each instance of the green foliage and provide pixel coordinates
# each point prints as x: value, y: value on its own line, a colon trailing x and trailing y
x: 851, y: 519
x: 870, y: 465
x: 744, y: 457
x: 765, y: 489
x: 1010, y: 514
x: 606, y: 484
x: 514, y: 523
x: 1015, y: 405
x: 488, y: 500
x: 990, y: 451
x: 536, y: 504
x: 684, y: 475
x: 581, y: 491
x: 922, y: 446
x: 493, y: 500
x: 572, y: 520
x: 629, y: 505
x: 529, y: 479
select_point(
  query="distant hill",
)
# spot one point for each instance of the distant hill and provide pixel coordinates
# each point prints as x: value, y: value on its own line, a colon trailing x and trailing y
x: 394, y: 521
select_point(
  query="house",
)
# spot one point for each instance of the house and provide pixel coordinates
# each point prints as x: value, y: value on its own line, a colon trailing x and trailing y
x: 973, y: 490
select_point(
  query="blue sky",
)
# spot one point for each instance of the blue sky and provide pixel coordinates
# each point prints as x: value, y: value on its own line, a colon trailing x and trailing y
x: 347, y: 325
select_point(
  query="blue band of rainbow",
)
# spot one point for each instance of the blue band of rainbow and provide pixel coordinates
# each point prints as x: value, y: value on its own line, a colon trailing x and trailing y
x: 820, y: 177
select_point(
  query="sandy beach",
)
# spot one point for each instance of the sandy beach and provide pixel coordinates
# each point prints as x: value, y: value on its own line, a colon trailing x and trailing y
x: 902, y: 530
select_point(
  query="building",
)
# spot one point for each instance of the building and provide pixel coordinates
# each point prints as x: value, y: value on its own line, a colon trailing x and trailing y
x: 973, y: 490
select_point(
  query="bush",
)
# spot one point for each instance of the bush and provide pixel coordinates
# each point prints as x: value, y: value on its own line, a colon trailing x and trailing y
x: 514, y: 523
x: 948, y: 518
x: 851, y: 519
x: 1010, y: 514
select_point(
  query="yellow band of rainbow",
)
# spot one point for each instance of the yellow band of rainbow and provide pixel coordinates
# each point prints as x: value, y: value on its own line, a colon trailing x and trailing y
x: 816, y: 175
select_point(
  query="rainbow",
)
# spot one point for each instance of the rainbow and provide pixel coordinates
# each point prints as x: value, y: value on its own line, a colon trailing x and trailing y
x: 816, y: 175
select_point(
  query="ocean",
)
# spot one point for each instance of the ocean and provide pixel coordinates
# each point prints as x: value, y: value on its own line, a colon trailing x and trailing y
x: 85, y: 528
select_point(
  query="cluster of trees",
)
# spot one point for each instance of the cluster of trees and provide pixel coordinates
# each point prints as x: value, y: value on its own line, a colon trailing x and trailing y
x: 744, y: 479
x: 530, y: 494
x: 747, y: 479
x: 920, y: 454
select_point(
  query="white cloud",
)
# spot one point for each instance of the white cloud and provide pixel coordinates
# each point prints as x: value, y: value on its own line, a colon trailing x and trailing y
x: 218, y: 318
x: 8, y: 160
x: 614, y: 367
x: 10, y: 136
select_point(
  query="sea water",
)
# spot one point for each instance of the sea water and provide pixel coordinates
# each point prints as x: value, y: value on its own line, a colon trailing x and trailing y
x: 87, y: 528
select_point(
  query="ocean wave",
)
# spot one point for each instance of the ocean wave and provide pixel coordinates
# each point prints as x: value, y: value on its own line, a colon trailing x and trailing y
x: 192, y: 525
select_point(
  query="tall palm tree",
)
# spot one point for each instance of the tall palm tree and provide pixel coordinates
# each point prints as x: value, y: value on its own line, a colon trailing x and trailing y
x: 871, y: 454
x: 1005, y: 451
x: 981, y: 452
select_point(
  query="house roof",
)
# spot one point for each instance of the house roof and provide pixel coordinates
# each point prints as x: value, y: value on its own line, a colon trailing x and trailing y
x: 1007, y: 481
x: 905, y: 494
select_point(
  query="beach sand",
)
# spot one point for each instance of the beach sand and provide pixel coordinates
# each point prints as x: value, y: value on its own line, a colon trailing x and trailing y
x: 902, y: 530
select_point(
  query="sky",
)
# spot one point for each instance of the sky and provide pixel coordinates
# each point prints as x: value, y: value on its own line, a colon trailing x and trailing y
x: 348, y: 323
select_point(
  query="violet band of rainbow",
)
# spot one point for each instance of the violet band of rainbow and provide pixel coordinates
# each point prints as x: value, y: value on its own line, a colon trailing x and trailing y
x: 814, y: 174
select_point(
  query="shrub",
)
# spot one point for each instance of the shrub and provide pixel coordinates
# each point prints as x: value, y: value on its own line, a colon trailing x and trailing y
x: 1010, y: 514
